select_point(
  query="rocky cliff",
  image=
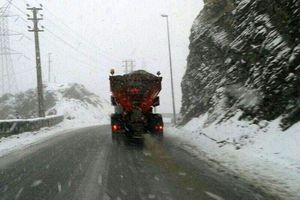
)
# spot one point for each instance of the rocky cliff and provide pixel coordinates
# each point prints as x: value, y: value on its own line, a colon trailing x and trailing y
x: 244, y: 56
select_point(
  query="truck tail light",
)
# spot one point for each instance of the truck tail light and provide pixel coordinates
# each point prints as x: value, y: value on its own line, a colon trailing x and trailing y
x: 159, y: 128
x: 116, y: 127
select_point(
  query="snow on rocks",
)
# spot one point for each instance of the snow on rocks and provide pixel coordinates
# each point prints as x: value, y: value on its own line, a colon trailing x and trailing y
x: 249, y: 45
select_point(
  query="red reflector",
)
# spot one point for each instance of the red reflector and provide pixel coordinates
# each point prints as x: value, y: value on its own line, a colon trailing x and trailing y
x: 116, y: 127
x: 159, y: 127
x: 134, y: 90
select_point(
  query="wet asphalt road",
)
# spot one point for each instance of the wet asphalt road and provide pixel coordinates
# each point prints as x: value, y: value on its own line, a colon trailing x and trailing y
x: 86, y: 165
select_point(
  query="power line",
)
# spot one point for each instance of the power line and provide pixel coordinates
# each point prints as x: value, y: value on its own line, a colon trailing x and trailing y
x: 62, y: 40
x: 25, y: 71
x: 68, y: 44
x: 74, y: 58
x: 24, y: 20
x: 57, y: 37
x: 87, y: 44
x: 16, y: 7
x: 5, y: 7
x: 8, y: 77
x: 78, y: 35
x: 72, y: 31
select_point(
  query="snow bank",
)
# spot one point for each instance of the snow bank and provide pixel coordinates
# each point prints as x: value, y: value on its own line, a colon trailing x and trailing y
x: 80, y: 108
x: 76, y: 103
x: 28, y: 120
x: 24, y: 140
x: 262, y: 154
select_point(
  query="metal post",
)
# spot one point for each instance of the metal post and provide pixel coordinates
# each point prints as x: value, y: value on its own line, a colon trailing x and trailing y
x: 126, y: 66
x: 129, y: 66
x: 132, y: 65
x: 171, y: 70
x: 49, y: 67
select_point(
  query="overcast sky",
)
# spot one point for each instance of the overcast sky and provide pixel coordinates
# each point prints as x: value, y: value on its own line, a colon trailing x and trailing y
x: 88, y: 38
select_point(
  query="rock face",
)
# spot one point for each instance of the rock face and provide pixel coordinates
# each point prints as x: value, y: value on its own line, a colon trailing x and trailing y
x: 244, y: 56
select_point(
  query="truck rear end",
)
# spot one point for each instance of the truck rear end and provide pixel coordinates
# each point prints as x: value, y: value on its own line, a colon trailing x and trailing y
x: 134, y: 97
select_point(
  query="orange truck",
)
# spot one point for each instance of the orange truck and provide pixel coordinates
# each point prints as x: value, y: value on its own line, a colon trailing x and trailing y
x: 134, y: 96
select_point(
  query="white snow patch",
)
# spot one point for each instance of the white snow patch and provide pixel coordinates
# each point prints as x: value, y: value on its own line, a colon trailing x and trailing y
x: 77, y: 114
x: 243, y: 4
x: 36, y: 183
x: 216, y: 197
x: 220, y: 38
x: 23, y: 140
x: 59, y: 186
x: 262, y: 154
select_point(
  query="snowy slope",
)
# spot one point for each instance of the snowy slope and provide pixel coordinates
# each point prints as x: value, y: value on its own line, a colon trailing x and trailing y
x: 80, y: 107
x: 73, y: 101
x: 263, y: 154
x: 76, y: 103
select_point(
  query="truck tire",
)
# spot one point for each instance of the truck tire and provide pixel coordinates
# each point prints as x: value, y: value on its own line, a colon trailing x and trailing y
x: 116, y: 138
x: 156, y: 124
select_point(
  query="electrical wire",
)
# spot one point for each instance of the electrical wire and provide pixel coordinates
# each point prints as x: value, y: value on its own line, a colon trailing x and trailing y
x: 55, y: 35
x: 66, y: 43
x: 78, y: 35
x: 84, y: 64
x: 23, y: 72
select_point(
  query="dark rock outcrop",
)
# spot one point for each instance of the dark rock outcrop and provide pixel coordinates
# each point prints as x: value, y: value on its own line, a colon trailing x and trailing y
x: 244, y: 56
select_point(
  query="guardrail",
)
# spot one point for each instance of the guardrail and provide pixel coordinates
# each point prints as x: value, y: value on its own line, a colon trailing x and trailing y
x: 16, y: 126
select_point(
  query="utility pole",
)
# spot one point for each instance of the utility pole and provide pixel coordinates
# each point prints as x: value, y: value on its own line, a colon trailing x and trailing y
x: 35, y: 19
x: 144, y: 65
x: 126, y: 66
x: 49, y: 67
x: 129, y: 64
x: 132, y: 65
x: 171, y: 70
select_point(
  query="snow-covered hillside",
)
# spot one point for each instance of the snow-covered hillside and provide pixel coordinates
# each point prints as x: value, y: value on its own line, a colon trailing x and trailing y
x: 73, y: 101
x: 80, y: 107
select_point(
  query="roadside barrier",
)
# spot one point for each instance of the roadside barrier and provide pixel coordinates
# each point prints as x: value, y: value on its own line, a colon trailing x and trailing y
x: 16, y: 126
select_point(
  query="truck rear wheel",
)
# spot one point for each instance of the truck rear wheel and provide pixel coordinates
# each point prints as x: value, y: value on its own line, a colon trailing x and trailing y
x: 156, y: 124
x: 116, y: 138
